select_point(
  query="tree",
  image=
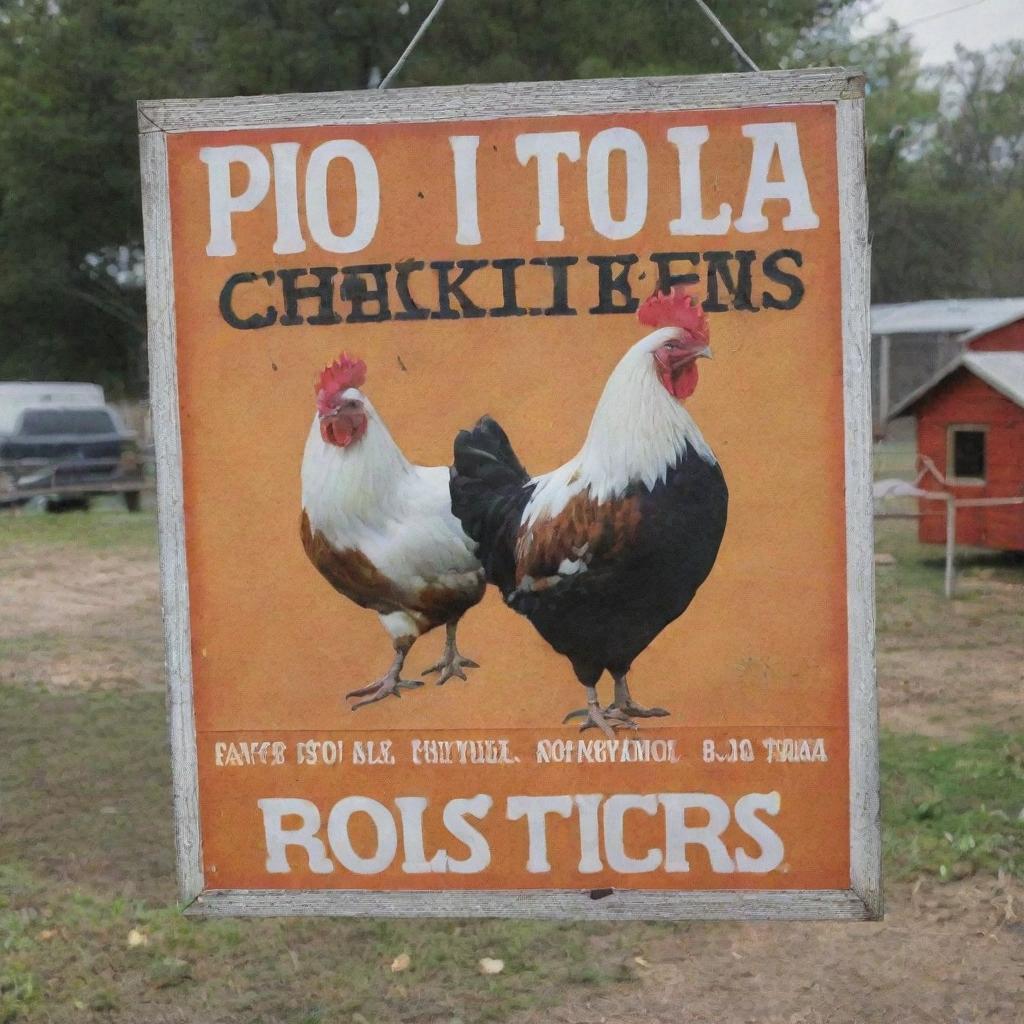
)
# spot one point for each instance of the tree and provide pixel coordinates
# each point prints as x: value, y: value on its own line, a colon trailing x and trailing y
x: 979, y: 156
x: 71, y: 298
x: 945, y: 169
x: 66, y: 177
x: 944, y: 154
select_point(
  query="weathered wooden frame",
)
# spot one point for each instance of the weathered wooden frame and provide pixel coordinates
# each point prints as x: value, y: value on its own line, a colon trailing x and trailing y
x: 843, y: 88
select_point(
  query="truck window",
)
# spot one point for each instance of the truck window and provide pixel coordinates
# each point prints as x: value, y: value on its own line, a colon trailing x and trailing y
x: 42, y: 422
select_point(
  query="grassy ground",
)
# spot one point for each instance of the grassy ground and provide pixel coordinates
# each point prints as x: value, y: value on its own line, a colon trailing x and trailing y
x: 949, y: 669
x: 69, y: 949
x: 953, y: 809
x: 104, y: 530
x: 895, y: 459
x: 910, y: 591
x: 88, y: 927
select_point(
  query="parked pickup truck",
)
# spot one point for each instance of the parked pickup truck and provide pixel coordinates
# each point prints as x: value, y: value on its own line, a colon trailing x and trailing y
x: 62, y: 442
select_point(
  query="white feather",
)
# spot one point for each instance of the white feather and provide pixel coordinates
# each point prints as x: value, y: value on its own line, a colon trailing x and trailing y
x: 637, y: 433
x: 368, y: 496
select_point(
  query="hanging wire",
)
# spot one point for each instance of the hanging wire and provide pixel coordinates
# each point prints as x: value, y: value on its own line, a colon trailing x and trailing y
x: 740, y: 52
x: 386, y: 80
x: 942, y: 14
x: 436, y: 9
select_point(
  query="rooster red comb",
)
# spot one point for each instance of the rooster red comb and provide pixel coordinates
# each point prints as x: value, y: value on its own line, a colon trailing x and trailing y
x: 677, y: 308
x: 344, y: 373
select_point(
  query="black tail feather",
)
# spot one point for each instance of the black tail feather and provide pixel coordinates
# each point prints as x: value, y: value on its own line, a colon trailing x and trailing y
x: 490, y: 489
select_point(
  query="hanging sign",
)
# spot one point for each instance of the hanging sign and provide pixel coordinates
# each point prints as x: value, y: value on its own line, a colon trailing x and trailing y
x: 487, y: 592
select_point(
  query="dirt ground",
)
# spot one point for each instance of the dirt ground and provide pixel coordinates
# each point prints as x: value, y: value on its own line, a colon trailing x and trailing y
x: 965, y: 675
x: 66, y: 614
x: 946, y: 954
x: 74, y: 618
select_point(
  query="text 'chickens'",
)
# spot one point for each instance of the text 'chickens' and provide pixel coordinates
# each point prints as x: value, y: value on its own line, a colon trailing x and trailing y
x: 745, y: 281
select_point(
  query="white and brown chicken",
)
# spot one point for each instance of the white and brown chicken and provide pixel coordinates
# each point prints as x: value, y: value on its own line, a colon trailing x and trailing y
x: 380, y: 529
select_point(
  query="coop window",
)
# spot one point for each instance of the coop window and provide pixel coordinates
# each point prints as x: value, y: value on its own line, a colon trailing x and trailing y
x: 967, y: 454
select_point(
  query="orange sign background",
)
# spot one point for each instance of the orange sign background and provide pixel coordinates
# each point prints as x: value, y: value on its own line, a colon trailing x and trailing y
x: 762, y: 651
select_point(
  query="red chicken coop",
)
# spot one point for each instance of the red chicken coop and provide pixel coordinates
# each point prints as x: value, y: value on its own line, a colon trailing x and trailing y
x: 970, y: 443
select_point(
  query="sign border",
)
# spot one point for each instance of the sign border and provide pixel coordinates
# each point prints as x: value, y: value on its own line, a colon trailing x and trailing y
x: 840, y: 86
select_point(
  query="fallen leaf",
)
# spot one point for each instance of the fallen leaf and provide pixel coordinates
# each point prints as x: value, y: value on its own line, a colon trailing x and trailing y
x: 641, y: 961
x: 137, y: 938
x: 491, y: 966
x: 47, y: 933
x: 400, y: 963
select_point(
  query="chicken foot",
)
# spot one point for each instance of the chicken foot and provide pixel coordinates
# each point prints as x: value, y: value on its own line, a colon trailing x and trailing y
x: 391, y: 683
x: 595, y: 717
x: 452, y: 663
x: 624, y: 702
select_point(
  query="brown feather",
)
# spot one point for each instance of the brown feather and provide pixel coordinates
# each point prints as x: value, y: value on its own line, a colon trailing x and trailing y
x: 583, y: 530
x: 352, y: 574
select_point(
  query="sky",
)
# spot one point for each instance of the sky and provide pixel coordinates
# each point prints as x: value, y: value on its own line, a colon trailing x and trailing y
x: 938, y: 25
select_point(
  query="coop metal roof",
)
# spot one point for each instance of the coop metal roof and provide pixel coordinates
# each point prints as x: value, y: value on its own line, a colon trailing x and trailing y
x: 967, y: 317
x: 1002, y: 371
